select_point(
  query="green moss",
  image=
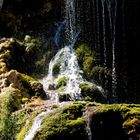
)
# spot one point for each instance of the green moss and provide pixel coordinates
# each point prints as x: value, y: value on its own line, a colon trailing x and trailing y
x: 32, y: 85
x: 119, y: 120
x: 26, y: 78
x: 63, y: 124
x: 26, y: 126
x: 91, y: 92
x: 24, y: 130
x: 25, y: 100
x: 87, y: 98
x: 61, y: 82
x: 63, y: 97
x: 9, y: 102
x: 56, y: 68
x: 88, y: 61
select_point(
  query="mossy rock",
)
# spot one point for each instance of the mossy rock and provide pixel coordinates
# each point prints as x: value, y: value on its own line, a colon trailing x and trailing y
x: 11, y: 53
x: 28, y: 85
x: 88, y: 61
x: 34, y: 87
x: 64, y: 97
x: 61, y: 82
x: 9, y: 103
x: 115, y: 121
x: 66, y: 123
x: 90, y: 92
x: 56, y: 68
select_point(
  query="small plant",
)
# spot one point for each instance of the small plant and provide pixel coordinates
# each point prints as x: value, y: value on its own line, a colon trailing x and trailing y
x: 87, y: 98
x: 25, y: 100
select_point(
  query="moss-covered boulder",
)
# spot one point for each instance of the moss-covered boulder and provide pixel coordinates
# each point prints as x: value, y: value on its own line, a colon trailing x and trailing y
x: 115, y: 122
x: 13, y: 116
x: 9, y: 102
x: 91, y: 92
x: 66, y: 123
x: 89, y: 62
x: 13, y: 54
x: 89, y: 120
x: 26, y: 84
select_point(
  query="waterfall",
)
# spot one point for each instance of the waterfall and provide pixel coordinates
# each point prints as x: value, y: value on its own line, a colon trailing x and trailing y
x: 109, y: 11
x: 68, y: 68
x: 112, y: 9
x: 1, y: 4
x: 35, y: 126
x: 114, y: 80
x: 38, y: 120
x: 67, y: 58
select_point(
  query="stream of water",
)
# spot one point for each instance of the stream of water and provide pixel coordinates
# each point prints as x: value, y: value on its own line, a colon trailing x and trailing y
x: 36, y: 125
x: 1, y: 4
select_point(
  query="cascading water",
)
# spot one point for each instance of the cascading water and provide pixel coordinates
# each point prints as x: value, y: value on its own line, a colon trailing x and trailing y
x: 67, y: 61
x: 67, y: 58
x: 68, y: 68
x: 35, y: 126
x: 38, y: 120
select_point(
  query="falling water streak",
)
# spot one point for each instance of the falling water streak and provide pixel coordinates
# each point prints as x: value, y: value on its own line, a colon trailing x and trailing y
x: 98, y: 33
x: 104, y: 32
x: 49, y: 79
x: 104, y: 41
x: 114, y: 80
x: 36, y: 125
x: 66, y: 56
x: 38, y: 120
x: 71, y: 23
x: 87, y: 116
x: 58, y: 34
x: 1, y: 4
x: 89, y: 130
x: 112, y: 20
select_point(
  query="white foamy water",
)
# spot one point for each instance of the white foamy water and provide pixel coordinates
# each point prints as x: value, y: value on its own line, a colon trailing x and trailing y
x: 67, y: 60
x: 36, y: 125
x: 68, y: 68
x: 38, y: 120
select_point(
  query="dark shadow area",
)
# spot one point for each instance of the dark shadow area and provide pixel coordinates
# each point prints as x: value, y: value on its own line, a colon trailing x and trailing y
x: 107, y: 126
